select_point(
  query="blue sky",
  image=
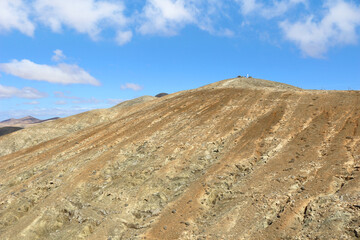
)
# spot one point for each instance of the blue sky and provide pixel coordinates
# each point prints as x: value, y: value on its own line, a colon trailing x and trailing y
x: 62, y: 57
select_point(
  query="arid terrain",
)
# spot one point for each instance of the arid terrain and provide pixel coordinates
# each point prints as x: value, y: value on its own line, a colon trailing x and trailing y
x: 12, y: 125
x: 237, y: 159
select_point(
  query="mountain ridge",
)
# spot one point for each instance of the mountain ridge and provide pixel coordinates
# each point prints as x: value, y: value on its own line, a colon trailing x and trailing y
x: 251, y: 83
x: 23, y: 122
x: 217, y: 162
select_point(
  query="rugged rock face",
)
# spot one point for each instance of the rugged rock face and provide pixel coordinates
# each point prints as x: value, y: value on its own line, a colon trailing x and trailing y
x: 225, y: 161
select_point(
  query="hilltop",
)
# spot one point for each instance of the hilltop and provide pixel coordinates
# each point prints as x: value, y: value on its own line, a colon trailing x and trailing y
x: 237, y: 159
x: 252, y: 83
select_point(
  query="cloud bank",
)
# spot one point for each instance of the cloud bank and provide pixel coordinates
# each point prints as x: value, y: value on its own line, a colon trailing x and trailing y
x: 61, y: 73
x: 314, y: 30
x: 84, y: 16
x: 26, y: 92
x: 337, y: 27
x: 14, y: 15
x: 166, y: 16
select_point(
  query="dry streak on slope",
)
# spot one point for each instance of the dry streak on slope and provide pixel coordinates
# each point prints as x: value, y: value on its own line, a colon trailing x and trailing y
x: 219, y: 162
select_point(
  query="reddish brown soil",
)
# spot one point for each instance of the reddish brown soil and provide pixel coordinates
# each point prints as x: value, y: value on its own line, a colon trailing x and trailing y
x: 211, y: 163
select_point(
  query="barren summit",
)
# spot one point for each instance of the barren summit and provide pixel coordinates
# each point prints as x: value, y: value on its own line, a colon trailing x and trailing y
x: 237, y: 159
x: 252, y: 83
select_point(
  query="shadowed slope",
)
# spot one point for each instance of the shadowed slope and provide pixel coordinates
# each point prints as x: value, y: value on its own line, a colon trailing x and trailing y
x: 7, y: 130
x: 211, y: 163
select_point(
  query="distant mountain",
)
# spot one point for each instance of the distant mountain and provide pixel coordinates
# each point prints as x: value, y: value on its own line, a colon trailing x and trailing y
x: 27, y: 120
x: 22, y: 122
x: 8, y: 120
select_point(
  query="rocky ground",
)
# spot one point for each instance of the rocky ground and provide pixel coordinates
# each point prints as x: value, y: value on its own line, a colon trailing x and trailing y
x: 231, y: 160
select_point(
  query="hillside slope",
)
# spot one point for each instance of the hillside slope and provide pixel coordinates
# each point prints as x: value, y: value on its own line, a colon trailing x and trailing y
x: 216, y: 162
x: 46, y: 131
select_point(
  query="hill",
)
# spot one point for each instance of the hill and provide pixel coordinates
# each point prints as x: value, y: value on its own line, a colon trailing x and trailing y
x: 251, y: 83
x: 230, y: 160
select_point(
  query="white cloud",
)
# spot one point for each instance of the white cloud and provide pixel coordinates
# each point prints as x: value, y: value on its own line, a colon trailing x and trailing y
x: 76, y: 100
x: 14, y: 14
x: 58, y: 55
x: 313, y: 35
x: 61, y: 102
x: 62, y: 73
x: 32, y: 103
x: 225, y: 32
x: 26, y: 92
x: 91, y: 100
x: 263, y: 8
x: 123, y: 37
x: 209, y: 16
x: 166, y: 16
x: 279, y: 8
x: 60, y: 94
x: 248, y: 6
x: 85, y: 16
x: 337, y: 27
x: 131, y: 86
